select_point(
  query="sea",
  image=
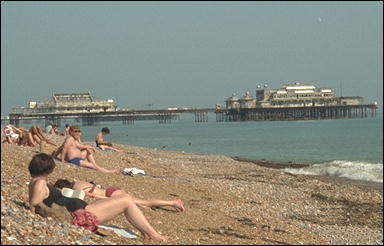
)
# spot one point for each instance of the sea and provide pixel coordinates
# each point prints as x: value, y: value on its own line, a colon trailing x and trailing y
x: 350, y: 148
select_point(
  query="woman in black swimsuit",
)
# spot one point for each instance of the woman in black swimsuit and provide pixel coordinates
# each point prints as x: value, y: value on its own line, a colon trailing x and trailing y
x: 88, y: 216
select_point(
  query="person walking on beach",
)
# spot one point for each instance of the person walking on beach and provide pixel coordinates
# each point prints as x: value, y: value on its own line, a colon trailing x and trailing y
x: 93, y: 191
x: 79, y: 154
x: 88, y: 216
x: 101, y: 143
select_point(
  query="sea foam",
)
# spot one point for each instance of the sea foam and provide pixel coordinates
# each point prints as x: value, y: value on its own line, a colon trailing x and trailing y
x: 357, y: 170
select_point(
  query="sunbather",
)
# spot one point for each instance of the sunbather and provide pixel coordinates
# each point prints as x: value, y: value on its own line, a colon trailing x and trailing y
x: 92, y: 190
x: 73, y: 151
x: 88, y: 216
x: 101, y: 143
x: 35, y: 136
x: 12, y: 134
x: 20, y: 136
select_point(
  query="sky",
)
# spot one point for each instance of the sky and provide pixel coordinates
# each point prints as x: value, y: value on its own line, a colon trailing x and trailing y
x: 187, y: 54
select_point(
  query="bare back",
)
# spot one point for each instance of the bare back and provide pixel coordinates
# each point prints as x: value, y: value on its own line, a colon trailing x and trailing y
x: 99, y: 137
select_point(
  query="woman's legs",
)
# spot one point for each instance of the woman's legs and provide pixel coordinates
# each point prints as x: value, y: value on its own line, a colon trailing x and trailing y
x: 36, y: 138
x: 178, y: 204
x: 107, y: 209
x: 30, y: 139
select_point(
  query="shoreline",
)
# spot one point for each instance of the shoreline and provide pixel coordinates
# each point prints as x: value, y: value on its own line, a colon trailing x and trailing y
x: 332, y: 179
x: 226, y: 201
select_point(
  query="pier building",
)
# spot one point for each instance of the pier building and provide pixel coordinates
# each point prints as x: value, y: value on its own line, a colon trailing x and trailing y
x: 69, y: 103
x: 292, y: 95
x: 295, y: 101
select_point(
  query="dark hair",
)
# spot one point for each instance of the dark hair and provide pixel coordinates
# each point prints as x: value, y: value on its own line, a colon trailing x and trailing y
x: 41, y: 164
x: 105, y: 130
x: 63, y: 183
x: 66, y: 125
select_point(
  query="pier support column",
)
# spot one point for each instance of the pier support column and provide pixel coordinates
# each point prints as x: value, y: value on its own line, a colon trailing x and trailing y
x: 89, y: 120
x: 130, y: 120
x: 201, y: 116
x: 165, y: 118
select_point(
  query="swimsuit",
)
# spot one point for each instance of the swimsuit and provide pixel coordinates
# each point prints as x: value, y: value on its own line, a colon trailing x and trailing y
x: 71, y: 204
x: 109, y: 191
x: 8, y: 131
x: 76, y: 207
x: 76, y: 161
x: 85, y: 219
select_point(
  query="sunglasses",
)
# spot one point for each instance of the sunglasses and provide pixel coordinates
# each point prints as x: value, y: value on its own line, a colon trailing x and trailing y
x: 77, y: 131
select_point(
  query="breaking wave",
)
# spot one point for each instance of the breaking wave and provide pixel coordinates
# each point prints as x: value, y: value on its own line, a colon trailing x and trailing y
x: 357, y: 170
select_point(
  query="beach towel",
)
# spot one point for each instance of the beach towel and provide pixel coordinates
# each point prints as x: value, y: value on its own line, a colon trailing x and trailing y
x: 120, y: 231
x: 133, y: 171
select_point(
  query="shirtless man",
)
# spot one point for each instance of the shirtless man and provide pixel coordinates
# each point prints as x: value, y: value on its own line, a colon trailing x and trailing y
x: 101, y: 143
x: 79, y: 154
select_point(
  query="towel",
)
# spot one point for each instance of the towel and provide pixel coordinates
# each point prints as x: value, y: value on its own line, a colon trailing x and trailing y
x: 133, y: 171
x: 121, y: 231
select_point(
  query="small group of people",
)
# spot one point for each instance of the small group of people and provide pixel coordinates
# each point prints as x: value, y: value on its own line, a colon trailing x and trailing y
x: 111, y: 202
x: 72, y: 150
x: 79, y: 154
x: 20, y: 136
x: 53, y: 129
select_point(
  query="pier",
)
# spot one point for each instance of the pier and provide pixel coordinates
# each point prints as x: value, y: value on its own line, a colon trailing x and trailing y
x: 293, y: 102
x: 201, y: 115
x: 297, y: 113
x: 163, y: 116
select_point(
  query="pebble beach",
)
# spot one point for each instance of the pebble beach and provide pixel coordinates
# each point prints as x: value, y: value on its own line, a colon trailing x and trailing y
x: 227, y: 201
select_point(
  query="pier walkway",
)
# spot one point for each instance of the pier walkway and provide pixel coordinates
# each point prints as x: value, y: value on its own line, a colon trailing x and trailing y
x: 201, y: 115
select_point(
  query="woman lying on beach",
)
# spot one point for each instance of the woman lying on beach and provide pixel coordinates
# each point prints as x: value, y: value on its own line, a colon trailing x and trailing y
x: 88, y: 216
x: 12, y: 134
x: 93, y: 191
x: 34, y: 137
x: 20, y: 136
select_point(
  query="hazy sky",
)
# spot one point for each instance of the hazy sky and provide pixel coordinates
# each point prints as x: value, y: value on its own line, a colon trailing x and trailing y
x: 187, y: 54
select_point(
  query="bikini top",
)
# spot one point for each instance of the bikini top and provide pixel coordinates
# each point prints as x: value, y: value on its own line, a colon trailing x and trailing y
x: 91, y: 190
x: 71, y: 204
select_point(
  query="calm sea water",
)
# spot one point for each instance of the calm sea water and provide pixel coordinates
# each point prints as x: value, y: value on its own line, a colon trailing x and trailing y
x: 350, y: 148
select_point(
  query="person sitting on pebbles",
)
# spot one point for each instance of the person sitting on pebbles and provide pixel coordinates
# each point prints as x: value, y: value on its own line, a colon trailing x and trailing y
x: 101, y: 143
x: 87, y: 216
x: 73, y: 151
x: 93, y: 191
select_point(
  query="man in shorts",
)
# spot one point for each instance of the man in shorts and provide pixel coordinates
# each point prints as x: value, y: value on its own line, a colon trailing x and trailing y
x: 79, y: 154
